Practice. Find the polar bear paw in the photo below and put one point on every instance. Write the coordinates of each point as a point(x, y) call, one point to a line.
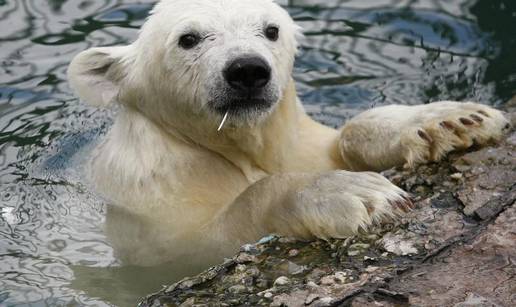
point(340, 203)
point(451, 126)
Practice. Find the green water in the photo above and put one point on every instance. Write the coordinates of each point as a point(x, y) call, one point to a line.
point(357, 54)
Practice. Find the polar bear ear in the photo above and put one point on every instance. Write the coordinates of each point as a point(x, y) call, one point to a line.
point(95, 74)
point(299, 37)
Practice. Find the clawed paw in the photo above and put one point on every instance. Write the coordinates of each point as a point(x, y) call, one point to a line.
point(339, 204)
point(405, 204)
point(451, 126)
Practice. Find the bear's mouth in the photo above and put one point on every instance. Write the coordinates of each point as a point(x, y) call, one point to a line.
point(237, 106)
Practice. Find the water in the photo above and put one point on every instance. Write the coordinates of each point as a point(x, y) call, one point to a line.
point(356, 54)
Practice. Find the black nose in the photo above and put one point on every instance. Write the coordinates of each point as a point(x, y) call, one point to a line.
point(248, 73)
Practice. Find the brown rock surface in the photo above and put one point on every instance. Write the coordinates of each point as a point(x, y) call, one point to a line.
point(457, 248)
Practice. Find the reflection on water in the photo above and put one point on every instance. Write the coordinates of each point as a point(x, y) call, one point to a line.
point(356, 54)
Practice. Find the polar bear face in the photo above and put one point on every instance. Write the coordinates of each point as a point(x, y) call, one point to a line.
point(203, 57)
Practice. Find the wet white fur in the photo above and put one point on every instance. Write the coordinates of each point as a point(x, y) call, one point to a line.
point(184, 192)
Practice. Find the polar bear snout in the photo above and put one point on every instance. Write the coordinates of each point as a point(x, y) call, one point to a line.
point(246, 87)
point(248, 74)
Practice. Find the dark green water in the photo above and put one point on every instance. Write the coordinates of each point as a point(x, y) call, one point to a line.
point(357, 54)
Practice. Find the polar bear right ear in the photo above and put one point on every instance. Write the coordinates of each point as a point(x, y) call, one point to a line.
point(95, 74)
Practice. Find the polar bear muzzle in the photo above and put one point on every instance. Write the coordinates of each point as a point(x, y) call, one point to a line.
point(247, 87)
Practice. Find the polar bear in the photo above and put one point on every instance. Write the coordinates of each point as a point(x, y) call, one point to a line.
point(211, 147)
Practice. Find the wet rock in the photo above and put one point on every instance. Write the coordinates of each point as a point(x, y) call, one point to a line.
point(294, 269)
point(188, 303)
point(474, 300)
point(325, 301)
point(250, 249)
point(238, 289)
point(490, 174)
point(246, 258)
point(311, 298)
point(398, 245)
point(337, 278)
point(457, 176)
point(456, 248)
point(293, 252)
point(281, 281)
point(482, 265)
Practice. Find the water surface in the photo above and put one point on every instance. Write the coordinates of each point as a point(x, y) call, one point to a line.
point(356, 54)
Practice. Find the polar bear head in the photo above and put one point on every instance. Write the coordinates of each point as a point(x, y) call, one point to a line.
point(196, 58)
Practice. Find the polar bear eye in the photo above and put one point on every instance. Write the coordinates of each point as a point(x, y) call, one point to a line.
point(188, 41)
point(272, 33)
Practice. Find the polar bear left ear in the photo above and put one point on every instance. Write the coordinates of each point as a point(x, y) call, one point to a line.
point(95, 74)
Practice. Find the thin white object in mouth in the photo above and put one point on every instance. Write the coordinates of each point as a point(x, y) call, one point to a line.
point(223, 121)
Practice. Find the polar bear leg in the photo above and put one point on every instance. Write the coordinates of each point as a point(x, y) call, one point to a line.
point(329, 205)
point(397, 135)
